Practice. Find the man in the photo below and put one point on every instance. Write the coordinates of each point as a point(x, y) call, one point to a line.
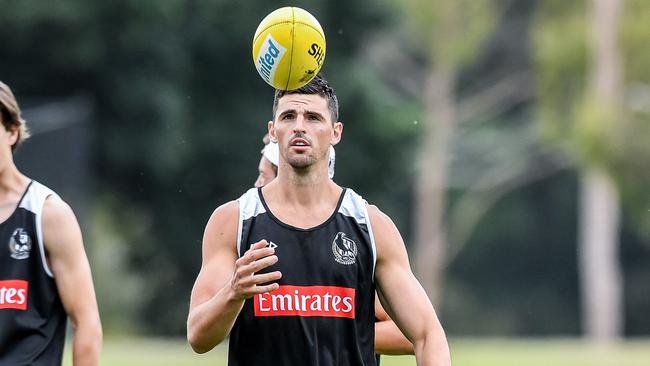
point(389, 339)
point(44, 273)
point(289, 270)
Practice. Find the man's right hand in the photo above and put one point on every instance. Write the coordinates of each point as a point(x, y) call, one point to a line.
point(226, 280)
point(245, 283)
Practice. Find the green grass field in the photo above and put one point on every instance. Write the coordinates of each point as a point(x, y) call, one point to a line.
point(465, 352)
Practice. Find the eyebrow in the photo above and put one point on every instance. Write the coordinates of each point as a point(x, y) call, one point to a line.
point(287, 111)
point(306, 112)
point(320, 115)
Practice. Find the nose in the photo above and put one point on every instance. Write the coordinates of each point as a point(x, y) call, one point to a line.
point(300, 124)
point(260, 182)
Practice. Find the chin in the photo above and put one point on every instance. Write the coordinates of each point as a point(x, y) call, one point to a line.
point(300, 162)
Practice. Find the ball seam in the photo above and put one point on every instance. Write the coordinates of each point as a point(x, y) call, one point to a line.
point(293, 42)
point(270, 26)
point(287, 21)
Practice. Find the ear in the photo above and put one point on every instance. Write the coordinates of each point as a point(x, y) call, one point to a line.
point(337, 133)
point(271, 128)
point(13, 135)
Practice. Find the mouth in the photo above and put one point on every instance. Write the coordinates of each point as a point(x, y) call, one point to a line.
point(299, 142)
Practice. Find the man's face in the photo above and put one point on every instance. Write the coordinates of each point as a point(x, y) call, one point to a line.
point(304, 130)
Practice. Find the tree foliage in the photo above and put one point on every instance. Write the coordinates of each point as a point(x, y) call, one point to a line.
point(180, 112)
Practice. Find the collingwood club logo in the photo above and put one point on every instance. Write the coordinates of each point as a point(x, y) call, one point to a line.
point(20, 244)
point(344, 249)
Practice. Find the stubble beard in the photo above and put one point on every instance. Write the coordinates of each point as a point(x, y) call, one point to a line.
point(301, 163)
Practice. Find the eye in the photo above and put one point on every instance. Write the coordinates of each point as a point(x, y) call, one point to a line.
point(313, 117)
point(286, 117)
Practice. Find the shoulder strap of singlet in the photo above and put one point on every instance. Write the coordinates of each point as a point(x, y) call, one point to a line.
point(355, 206)
point(250, 206)
point(33, 201)
point(29, 185)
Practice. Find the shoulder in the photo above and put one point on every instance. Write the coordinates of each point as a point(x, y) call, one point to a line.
point(226, 212)
point(61, 231)
point(231, 209)
point(378, 218)
point(355, 205)
point(223, 222)
point(230, 212)
point(387, 236)
point(57, 212)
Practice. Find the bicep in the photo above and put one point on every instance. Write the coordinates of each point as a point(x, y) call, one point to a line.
point(218, 254)
point(400, 292)
point(67, 258)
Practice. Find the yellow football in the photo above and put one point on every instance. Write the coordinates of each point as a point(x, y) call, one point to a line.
point(288, 48)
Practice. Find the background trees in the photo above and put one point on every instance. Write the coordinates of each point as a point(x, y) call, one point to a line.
point(487, 99)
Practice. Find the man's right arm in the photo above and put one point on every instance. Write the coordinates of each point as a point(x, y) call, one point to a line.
point(225, 281)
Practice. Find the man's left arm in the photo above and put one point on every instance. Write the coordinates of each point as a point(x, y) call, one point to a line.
point(67, 259)
point(389, 340)
point(402, 295)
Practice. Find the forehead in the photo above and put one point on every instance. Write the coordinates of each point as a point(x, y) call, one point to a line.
point(302, 102)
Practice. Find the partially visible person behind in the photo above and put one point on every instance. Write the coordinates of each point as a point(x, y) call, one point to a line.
point(44, 272)
point(267, 169)
point(389, 340)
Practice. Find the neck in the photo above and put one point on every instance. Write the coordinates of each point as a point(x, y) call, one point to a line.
point(11, 179)
point(301, 203)
point(304, 187)
point(12, 187)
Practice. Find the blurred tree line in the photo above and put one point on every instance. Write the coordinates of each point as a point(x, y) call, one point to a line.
point(179, 112)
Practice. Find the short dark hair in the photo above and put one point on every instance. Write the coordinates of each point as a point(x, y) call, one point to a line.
point(317, 86)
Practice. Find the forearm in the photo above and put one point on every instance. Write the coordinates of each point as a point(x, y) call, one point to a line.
point(209, 323)
point(87, 344)
point(389, 340)
point(432, 349)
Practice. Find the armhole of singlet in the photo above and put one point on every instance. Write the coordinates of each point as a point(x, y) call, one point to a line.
point(373, 246)
point(239, 226)
point(39, 235)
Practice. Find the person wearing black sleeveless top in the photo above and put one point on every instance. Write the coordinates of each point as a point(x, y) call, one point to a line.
point(389, 340)
point(290, 270)
point(44, 273)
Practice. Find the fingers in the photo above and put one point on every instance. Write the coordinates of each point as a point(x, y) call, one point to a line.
point(261, 278)
point(264, 289)
point(260, 244)
point(267, 277)
point(263, 263)
point(252, 285)
point(246, 287)
point(245, 281)
point(255, 260)
point(255, 252)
